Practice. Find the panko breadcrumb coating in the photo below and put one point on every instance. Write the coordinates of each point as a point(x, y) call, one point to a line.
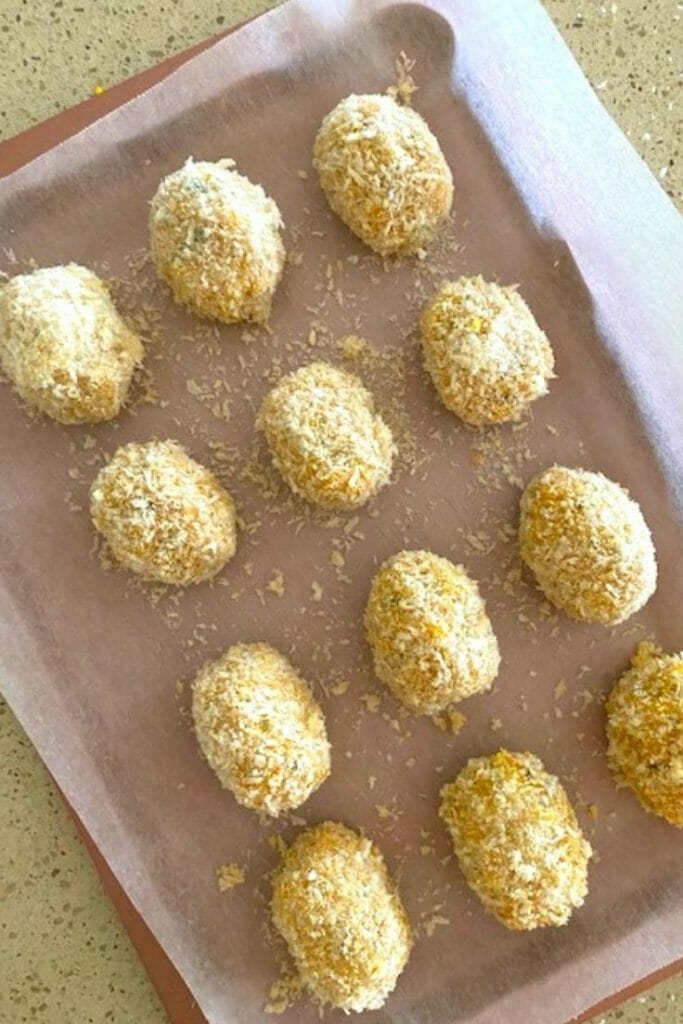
point(383, 173)
point(260, 728)
point(325, 438)
point(517, 839)
point(588, 545)
point(63, 345)
point(341, 916)
point(645, 731)
point(163, 515)
point(484, 351)
point(431, 639)
point(215, 240)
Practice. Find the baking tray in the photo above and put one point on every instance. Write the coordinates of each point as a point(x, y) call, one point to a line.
point(652, 222)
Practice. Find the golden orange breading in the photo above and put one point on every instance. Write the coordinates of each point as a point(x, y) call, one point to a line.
point(260, 728)
point(215, 239)
point(325, 437)
point(341, 916)
point(164, 516)
point(645, 731)
point(517, 839)
point(483, 349)
point(588, 545)
point(431, 638)
point(383, 173)
point(63, 345)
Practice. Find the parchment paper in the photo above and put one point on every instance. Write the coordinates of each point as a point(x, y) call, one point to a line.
point(548, 194)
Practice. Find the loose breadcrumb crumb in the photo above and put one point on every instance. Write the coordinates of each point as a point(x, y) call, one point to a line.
point(484, 351)
point(353, 347)
point(229, 876)
point(383, 173)
point(645, 731)
point(215, 239)
point(588, 545)
point(517, 839)
point(325, 438)
point(341, 916)
point(260, 728)
point(283, 993)
point(64, 346)
point(431, 639)
point(163, 515)
point(276, 585)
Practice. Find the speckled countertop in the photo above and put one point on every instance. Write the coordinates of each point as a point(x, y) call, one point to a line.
point(64, 958)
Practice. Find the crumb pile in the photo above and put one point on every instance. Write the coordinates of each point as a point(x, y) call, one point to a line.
point(260, 728)
point(229, 876)
point(63, 345)
point(517, 839)
point(645, 731)
point(163, 515)
point(431, 639)
point(483, 349)
point(215, 239)
point(325, 437)
point(383, 173)
point(588, 545)
point(339, 912)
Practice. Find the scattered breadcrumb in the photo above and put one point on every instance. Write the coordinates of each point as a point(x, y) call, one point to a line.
point(284, 993)
point(433, 922)
point(405, 86)
point(276, 585)
point(277, 843)
point(450, 719)
point(372, 702)
point(229, 876)
point(353, 347)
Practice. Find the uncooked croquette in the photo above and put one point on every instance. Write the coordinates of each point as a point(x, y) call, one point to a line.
point(588, 545)
point(164, 516)
point(341, 916)
point(517, 839)
point(487, 356)
point(215, 239)
point(325, 437)
point(645, 731)
point(383, 173)
point(431, 639)
point(260, 728)
point(63, 345)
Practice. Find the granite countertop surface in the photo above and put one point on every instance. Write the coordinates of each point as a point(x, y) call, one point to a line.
point(64, 957)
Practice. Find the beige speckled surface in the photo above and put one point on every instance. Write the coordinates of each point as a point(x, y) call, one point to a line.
point(64, 958)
